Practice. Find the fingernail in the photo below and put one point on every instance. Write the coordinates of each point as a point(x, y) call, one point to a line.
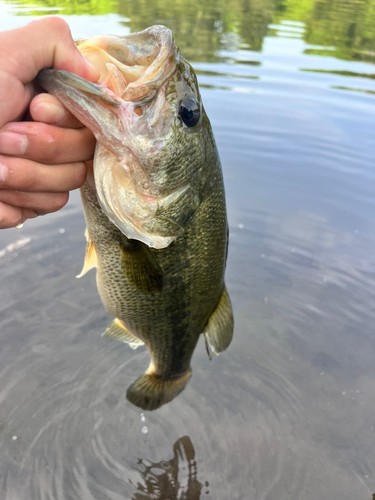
point(12, 143)
point(49, 112)
point(3, 172)
point(94, 72)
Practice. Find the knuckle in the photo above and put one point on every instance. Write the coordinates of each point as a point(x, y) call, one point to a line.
point(59, 201)
point(29, 180)
point(79, 174)
point(48, 144)
point(50, 153)
point(58, 25)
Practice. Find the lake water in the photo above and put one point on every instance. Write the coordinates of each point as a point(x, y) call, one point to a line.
point(288, 411)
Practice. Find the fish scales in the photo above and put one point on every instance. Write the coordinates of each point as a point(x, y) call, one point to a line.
point(154, 206)
point(174, 316)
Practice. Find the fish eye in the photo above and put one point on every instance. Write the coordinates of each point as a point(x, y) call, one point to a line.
point(189, 111)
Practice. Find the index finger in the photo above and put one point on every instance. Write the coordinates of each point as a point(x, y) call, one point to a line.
point(48, 109)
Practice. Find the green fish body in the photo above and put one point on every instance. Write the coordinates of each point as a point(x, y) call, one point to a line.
point(154, 205)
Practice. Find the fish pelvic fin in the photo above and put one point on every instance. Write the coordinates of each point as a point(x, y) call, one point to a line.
point(91, 258)
point(150, 392)
point(218, 331)
point(118, 331)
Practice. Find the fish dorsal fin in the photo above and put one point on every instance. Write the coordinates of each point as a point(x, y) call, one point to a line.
point(118, 331)
point(218, 331)
point(91, 258)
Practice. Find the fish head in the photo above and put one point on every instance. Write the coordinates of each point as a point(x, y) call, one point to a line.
point(154, 141)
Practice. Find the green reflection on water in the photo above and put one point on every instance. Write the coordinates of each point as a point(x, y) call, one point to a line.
point(346, 27)
point(337, 28)
point(339, 87)
point(351, 74)
point(202, 28)
point(66, 7)
point(225, 75)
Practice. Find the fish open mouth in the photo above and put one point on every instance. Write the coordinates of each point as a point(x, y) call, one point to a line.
point(133, 71)
point(132, 68)
point(135, 66)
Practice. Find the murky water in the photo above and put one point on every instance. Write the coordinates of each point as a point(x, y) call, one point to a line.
point(288, 412)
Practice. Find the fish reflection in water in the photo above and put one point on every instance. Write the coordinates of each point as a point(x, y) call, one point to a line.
point(175, 479)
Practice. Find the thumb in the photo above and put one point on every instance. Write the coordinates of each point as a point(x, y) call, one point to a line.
point(44, 43)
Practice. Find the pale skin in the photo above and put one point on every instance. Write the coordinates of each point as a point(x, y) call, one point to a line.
point(42, 156)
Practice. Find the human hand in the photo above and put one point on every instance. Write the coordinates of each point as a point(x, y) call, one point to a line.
point(39, 162)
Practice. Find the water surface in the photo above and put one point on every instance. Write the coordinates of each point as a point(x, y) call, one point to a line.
point(289, 410)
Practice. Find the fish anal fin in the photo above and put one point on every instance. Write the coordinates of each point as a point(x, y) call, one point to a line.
point(150, 392)
point(91, 258)
point(140, 267)
point(118, 331)
point(218, 331)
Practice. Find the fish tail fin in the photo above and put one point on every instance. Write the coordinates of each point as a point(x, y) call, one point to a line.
point(149, 392)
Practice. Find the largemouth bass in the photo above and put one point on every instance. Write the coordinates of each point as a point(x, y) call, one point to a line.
point(154, 205)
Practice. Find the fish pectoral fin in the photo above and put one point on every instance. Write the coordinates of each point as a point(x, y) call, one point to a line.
point(141, 268)
point(118, 331)
point(91, 258)
point(150, 392)
point(218, 331)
